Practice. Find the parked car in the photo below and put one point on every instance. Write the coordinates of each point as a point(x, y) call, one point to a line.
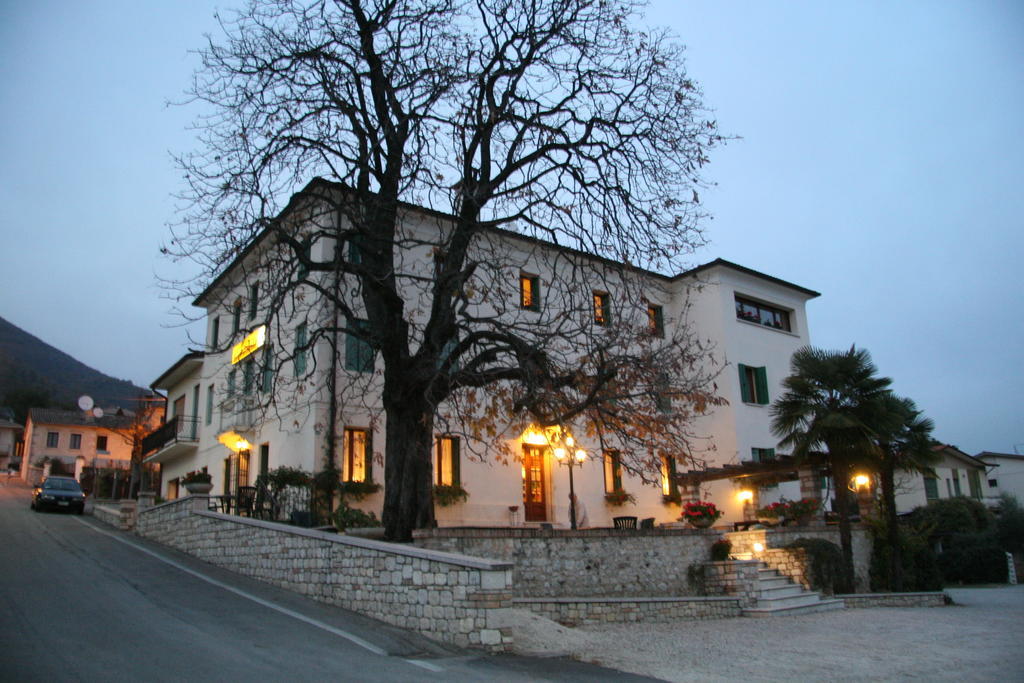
point(59, 493)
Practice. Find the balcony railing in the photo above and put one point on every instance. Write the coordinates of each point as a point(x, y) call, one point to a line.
point(238, 414)
point(178, 429)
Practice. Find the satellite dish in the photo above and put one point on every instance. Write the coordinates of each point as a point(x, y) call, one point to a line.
point(85, 402)
point(97, 412)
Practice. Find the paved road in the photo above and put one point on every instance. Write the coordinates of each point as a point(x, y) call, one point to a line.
point(80, 601)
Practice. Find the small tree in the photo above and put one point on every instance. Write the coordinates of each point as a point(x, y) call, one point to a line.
point(831, 399)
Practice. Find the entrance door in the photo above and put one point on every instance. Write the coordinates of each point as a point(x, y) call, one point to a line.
point(535, 497)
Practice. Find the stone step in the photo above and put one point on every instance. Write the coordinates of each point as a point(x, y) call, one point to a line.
point(784, 591)
point(774, 582)
point(819, 606)
point(798, 600)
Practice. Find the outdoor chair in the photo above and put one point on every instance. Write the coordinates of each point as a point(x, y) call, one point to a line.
point(624, 522)
point(245, 500)
point(647, 523)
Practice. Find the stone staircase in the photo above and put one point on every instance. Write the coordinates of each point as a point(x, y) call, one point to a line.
point(778, 595)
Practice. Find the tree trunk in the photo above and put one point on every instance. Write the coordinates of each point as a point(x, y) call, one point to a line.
point(408, 493)
point(892, 530)
point(841, 476)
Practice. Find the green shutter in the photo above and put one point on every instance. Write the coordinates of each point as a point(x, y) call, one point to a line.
point(745, 387)
point(761, 379)
point(368, 456)
point(456, 462)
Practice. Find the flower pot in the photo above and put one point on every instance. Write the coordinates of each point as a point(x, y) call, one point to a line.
point(199, 487)
point(700, 522)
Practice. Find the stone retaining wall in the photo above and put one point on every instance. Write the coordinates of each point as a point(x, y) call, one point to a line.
point(792, 563)
point(118, 514)
point(589, 611)
point(734, 578)
point(927, 599)
point(585, 563)
point(449, 597)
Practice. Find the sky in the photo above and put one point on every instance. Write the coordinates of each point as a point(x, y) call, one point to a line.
point(877, 159)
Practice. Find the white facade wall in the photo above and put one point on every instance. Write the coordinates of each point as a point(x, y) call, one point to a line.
point(952, 479)
point(295, 432)
point(1007, 471)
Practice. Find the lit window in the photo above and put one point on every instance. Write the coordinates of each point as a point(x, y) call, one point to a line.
point(655, 321)
point(355, 463)
point(529, 292)
point(447, 465)
point(762, 314)
point(612, 471)
point(668, 476)
point(602, 309)
point(753, 385)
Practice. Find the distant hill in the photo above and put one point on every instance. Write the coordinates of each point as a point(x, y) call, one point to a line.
point(28, 363)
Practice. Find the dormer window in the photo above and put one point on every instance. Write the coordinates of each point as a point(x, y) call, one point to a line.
point(762, 314)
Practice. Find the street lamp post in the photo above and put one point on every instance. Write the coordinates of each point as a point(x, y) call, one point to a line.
point(575, 459)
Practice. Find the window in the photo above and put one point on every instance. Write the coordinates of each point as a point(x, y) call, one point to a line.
point(993, 483)
point(762, 314)
point(248, 376)
point(668, 476)
point(753, 385)
point(931, 488)
point(356, 465)
point(209, 404)
point(358, 352)
point(264, 460)
point(956, 482)
point(76, 442)
point(254, 300)
point(101, 444)
point(226, 486)
point(762, 454)
point(974, 484)
point(52, 439)
point(172, 489)
point(529, 292)
point(236, 317)
point(446, 468)
point(231, 382)
point(307, 254)
point(355, 250)
point(300, 350)
point(655, 321)
point(612, 471)
point(242, 469)
point(215, 333)
point(602, 309)
point(662, 395)
point(267, 380)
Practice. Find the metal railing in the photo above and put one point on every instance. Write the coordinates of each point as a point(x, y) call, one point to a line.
point(178, 429)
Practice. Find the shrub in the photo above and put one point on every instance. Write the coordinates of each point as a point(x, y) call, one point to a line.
point(973, 558)
point(1010, 524)
point(920, 566)
point(450, 494)
point(825, 562)
point(350, 518)
point(358, 490)
point(720, 550)
point(283, 477)
point(951, 516)
point(619, 497)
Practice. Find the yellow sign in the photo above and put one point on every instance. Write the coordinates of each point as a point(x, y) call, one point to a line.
point(252, 341)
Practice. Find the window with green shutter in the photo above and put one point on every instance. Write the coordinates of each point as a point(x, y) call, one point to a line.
point(358, 352)
point(753, 384)
point(300, 350)
point(762, 454)
point(974, 482)
point(612, 471)
point(931, 488)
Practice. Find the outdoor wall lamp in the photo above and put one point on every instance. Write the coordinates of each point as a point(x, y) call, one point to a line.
point(860, 482)
point(758, 547)
point(745, 496)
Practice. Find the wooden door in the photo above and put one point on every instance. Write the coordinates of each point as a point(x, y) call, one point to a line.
point(535, 497)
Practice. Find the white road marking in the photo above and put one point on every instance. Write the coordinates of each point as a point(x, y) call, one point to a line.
point(260, 601)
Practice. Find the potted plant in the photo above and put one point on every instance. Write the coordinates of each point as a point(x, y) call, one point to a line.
point(358, 490)
point(802, 510)
point(450, 494)
point(619, 497)
point(673, 498)
point(700, 514)
point(198, 481)
point(773, 511)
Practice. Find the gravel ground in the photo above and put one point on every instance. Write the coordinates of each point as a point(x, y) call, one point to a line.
point(980, 638)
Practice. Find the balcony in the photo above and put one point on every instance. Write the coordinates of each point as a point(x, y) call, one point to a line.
point(237, 414)
point(175, 438)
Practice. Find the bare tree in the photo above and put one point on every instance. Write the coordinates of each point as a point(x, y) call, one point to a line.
point(521, 125)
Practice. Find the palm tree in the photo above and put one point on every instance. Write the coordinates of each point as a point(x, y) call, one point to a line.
point(904, 443)
point(831, 400)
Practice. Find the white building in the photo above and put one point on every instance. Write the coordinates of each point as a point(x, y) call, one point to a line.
point(954, 474)
point(1004, 474)
point(216, 420)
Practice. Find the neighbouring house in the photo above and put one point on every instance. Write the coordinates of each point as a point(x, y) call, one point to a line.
point(236, 412)
point(93, 446)
point(11, 443)
point(954, 474)
point(1004, 473)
